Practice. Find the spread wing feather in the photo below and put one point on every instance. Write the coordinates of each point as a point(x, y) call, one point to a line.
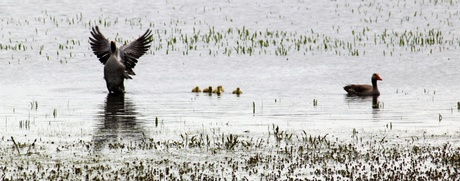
point(100, 45)
point(129, 53)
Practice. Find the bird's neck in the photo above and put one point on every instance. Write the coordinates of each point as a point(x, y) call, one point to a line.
point(374, 84)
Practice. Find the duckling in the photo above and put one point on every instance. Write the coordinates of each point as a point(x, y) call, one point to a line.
point(219, 90)
point(209, 89)
point(196, 89)
point(237, 91)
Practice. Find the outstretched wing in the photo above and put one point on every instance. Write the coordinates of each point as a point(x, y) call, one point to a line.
point(100, 45)
point(129, 53)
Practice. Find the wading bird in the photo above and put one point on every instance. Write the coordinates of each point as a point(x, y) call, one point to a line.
point(118, 62)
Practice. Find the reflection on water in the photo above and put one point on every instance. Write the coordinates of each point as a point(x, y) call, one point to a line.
point(117, 122)
point(375, 104)
point(360, 105)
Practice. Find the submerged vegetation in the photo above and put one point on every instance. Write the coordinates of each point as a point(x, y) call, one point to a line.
point(185, 36)
point(243, 41)
point(280, 154)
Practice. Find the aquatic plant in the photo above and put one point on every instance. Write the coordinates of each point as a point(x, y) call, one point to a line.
point(18, 146)
point(293, 156)
point(34, 105)
point(230, 142)
point(54, 113)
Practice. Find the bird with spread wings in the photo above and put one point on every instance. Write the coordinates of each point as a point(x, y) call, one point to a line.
point(118, 62)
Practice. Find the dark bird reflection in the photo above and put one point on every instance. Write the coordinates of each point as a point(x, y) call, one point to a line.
point(375, 100)
point(117, 122)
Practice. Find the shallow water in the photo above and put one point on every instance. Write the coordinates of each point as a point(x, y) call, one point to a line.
point(56, 82)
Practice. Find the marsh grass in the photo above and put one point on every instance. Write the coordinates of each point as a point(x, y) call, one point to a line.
point(175, 36)
point(280, 155)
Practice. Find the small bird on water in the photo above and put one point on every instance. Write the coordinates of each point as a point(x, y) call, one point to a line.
point(237, 91)
point(219, 90)
point(208, 90)
point(118, 62)
point(196, 89)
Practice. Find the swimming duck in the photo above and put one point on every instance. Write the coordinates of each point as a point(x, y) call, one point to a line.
point(219, 90)
point(118, 62)
point(209, 89)
point(364, 89)
point(237, 91)
point(196, 89)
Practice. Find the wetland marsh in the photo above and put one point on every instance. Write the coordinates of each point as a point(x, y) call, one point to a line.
point(290, 58)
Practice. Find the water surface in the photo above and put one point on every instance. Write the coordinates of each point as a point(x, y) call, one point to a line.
point(50, 77)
